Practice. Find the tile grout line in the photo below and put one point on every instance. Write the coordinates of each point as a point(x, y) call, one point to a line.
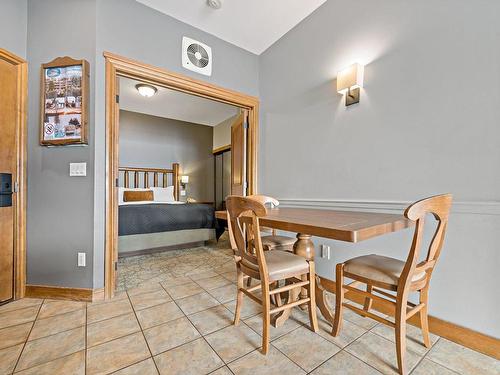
point(301, 326)
point(322, 363)
point(392, 344)
point(18, 308)
point(143, 335)
point(201, 335)
point(355, 356)
point(54, 359)
point(53, 334)
point(27, 337)
point(430, 359)
point(293, 361)
point(422, 357)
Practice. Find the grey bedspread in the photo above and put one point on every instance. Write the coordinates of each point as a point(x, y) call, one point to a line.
point(153, 218)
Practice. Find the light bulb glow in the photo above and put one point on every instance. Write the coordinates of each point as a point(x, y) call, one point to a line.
point(350, 78)
point(146, 90)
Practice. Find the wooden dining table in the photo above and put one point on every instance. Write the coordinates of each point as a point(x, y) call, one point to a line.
point(348, 226)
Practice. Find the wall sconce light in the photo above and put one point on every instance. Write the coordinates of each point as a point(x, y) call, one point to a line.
point(184, 181)
point(349, 82)
point(146, 90)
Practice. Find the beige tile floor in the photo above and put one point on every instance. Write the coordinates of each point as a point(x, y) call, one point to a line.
point(174, 314)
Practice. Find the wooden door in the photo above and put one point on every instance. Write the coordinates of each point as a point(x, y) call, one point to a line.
point(8, 165)
point(239, 154)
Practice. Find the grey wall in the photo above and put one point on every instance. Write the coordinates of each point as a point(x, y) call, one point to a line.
point(132, 30)
point(60, 208)
point(13, 26)
point(427, 123)
point(156, 142)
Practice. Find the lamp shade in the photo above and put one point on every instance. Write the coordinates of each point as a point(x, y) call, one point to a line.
point(350, 78)
point(184, 179)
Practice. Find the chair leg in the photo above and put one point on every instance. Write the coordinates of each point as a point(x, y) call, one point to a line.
point(368, 300)
point(424, 319)
point(312, 295)
point(339, 299)
point(249, 282)
point(266, 316)
point(239, 297)
point(400, 320)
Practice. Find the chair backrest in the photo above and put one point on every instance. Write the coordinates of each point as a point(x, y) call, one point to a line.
point(439, 206)
point(266, 201)
point(244, 230)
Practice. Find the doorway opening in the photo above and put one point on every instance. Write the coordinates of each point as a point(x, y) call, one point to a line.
point(243, 142)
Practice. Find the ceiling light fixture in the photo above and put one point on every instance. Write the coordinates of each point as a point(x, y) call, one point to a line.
point(146, 90)
point(215, 4)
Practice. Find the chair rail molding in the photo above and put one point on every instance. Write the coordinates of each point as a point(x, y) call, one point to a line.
point(458, 207)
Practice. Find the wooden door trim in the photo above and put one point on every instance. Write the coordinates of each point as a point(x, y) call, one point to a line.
point(20, 197)
point(118, 66)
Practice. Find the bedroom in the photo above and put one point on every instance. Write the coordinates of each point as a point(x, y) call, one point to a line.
point(174, 171)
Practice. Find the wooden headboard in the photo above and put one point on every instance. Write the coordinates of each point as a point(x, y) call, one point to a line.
point(161, 177)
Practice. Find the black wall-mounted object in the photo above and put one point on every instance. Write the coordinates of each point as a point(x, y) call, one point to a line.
point(5, 189)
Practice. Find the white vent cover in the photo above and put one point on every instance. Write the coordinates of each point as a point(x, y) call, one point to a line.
point(196, 56)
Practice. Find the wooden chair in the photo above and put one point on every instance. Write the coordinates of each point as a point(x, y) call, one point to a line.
point(268, 267)
point(397, 276)
point(273, 241)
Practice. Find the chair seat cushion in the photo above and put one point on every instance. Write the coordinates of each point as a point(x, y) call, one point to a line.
point(378, 268)
point(277, 241)
point(283, 264)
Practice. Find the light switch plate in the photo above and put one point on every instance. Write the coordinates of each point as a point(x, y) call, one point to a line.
point(77, 169)
point(81, 260)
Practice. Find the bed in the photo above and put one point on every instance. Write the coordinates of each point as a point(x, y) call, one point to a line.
point(163, 223)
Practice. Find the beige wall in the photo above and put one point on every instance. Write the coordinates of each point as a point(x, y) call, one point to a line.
point(222, 133)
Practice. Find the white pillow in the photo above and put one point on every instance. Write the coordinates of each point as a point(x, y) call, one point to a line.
point(122, 189)
point(163, 194)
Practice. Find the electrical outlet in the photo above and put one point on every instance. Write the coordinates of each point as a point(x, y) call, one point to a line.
point(325, 251)
point(183, 193)
point(81, 259)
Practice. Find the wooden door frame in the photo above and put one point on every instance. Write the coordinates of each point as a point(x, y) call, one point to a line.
point(20, 196)
point(118, 66)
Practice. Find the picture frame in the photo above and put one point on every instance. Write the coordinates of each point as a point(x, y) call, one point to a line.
point(64, 106)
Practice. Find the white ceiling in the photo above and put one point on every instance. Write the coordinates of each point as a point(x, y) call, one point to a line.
point(250, 24)
point(174, 104)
